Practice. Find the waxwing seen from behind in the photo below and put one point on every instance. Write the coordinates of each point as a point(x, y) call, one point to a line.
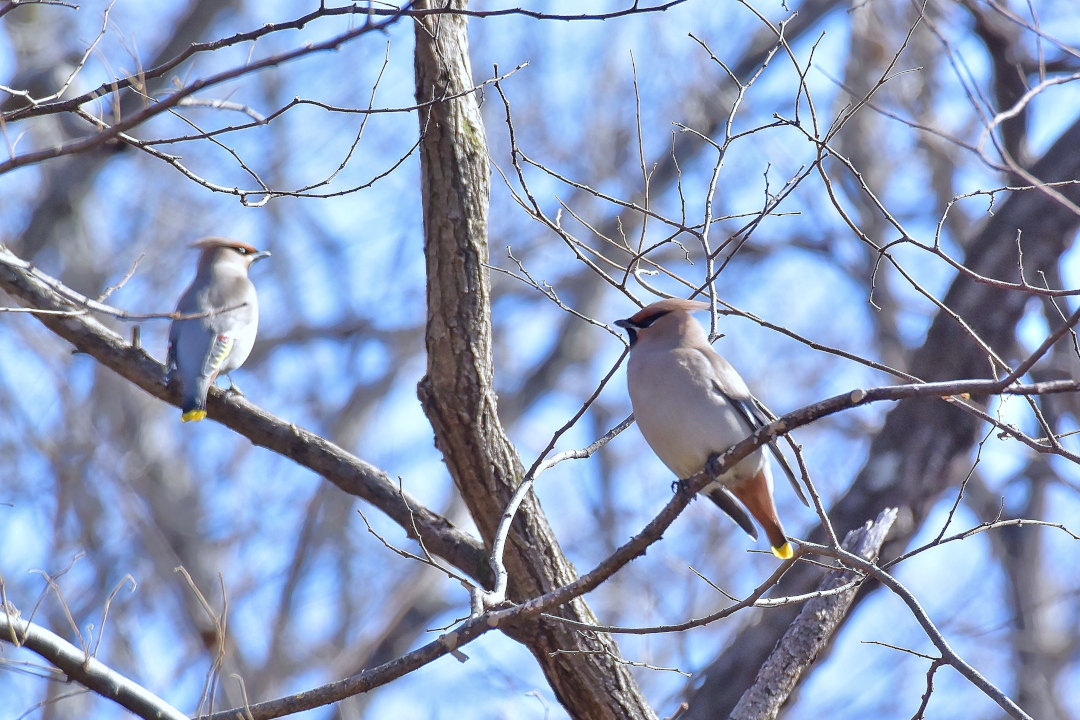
point(218, 336)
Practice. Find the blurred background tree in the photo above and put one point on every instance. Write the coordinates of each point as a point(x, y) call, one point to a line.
point(888, 193)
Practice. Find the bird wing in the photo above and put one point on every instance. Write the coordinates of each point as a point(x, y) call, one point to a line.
point(764, 417)
point(217, 353)
point(183, 306)
point(752, 411)
point(170, 355)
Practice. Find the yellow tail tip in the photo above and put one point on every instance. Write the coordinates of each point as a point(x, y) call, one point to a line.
point(200, 414)
point(784, 552)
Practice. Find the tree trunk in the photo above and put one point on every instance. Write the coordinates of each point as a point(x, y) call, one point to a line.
point(588, 677)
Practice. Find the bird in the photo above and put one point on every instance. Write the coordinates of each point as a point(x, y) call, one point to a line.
point(215, 322)
point(690, 403)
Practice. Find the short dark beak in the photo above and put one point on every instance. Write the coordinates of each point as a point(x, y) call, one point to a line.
point(625, 323)
point(260, 255)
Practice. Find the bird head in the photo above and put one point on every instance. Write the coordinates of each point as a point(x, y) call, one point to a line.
point(650, 314)
point(218, 249)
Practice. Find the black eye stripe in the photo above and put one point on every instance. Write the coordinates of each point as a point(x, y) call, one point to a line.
point(648, 321)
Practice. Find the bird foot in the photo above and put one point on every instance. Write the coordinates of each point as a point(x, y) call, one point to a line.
point(681, 487)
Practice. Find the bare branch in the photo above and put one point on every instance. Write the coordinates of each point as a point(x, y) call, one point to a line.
point(85, 669)
point(948, 655)
point(345, 470)
point(812, 630)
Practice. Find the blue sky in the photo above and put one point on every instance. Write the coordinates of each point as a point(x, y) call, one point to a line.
point(358, 259)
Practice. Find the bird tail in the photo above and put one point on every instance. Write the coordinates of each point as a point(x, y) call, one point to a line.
point(727, 502)
point(756, 495)
point(194, 408)
point(193, 397)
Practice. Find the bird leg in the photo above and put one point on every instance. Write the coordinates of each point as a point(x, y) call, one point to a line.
point(233, 388)
point(681, 487)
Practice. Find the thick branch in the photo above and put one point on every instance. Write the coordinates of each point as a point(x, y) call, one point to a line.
point(80, 667)
point(348, 472)
point(359, 478)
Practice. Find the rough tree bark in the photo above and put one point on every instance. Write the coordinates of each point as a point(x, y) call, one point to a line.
point(924, 446)
point(813, 629)
point(584, 669)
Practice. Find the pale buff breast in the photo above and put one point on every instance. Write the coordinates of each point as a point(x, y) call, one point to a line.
point(682, 415)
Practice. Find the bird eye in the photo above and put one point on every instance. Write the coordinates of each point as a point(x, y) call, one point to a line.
point(241, 250)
